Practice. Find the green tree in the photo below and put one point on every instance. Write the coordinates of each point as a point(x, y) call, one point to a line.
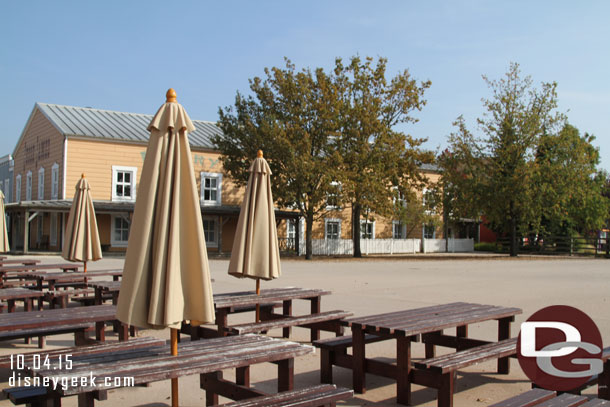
point(293, 117)
point(375, 155)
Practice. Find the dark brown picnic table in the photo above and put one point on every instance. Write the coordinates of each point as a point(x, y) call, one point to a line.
point(22, 324)
point(77, 278)
point(548, 398)
point(6, 262)
point(234, 302)
point(207, 358)
point(106, 287)
point(425, 324)
point(11, 295)
point(15, 272)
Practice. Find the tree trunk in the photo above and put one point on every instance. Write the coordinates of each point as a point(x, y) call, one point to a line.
point(446, 229)
point(356, 229)
point(309, 236)
point(514, 250)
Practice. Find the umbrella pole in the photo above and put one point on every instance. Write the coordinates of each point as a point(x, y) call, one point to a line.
point(258, 306)
point(174, 349)
point(85, 267)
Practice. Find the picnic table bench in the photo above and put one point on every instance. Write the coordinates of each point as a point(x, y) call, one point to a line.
point(11, 295)
point(104, 289)
point(270, 299)
point(74, 279)
point(6, 262)
point(57, 321)
point(154, 363)
point(426, 325)
point(15, 272)
point(314, 396)
point(547, 398)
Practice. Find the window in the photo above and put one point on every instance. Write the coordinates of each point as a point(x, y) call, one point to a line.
point(120, 231)
point(124, 183)
point(28, 186)
point(429, 231)
point(333, 198)
point(398, 230)
point(7, 190)
point(399, 197)
point(429, 200)
point(55, 181)
point(367, 230)
point(211, 188)
point(53, 231)
point(17, 188)
point(39, 230)
point(210, 231)
point(332, 229)
point(41, 184)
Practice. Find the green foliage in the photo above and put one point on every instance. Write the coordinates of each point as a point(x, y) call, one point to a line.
point(485, 247)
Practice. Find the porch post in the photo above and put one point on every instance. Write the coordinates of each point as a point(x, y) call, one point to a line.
point(26, 232)
point(220, 223)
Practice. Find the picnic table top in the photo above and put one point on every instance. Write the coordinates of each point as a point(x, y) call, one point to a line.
point(76, 275)
point(430, 319)
point(155, 363)
point(19, 293)
point(4, 262)
point(49, 318)
point(245, 298)
point(542, 397)
point(106, 285)
point(32, 267)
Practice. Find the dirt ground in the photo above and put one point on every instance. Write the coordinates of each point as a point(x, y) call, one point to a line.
point(388, 284)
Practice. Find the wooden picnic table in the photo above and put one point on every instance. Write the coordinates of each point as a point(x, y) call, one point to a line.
point(207, 358)
point(425, 324)
point(48, 322)
point(77, 278)
point(6, 262)
point(34, 267)
point(234, 302)
point(11, 295)
point(106, 287)
point(548, 398)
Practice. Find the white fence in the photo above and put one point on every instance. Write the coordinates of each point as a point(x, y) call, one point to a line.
point(330, 247)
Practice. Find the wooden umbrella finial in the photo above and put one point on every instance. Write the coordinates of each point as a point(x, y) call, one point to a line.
point(170, 95)
point(259, 154)
point(82, 175)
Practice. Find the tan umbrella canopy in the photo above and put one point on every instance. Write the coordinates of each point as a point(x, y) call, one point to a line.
point(82, 241)
point(3, 232)
point(255, 251)
point(166, 277)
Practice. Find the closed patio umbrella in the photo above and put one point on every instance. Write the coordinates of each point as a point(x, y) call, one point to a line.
point(3, 232)
point(166, 277)
point(255, 251)
point(82, 241)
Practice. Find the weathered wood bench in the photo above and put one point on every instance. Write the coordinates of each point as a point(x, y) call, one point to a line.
point(78, 330)
point(59, 298)
point(443, 368)
point(547, 398)
point(333, 349)
point(326, 321)
point(315, 396)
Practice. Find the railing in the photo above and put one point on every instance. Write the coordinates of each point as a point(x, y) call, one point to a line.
point(592, 246)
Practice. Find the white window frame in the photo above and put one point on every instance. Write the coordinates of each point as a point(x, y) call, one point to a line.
point(337, 195)
point(332, 220)
point(214, 219)
point(17, 188)
point(7, 190)
point(113, 241)
point(218, 200)
point(398, 197)
point(55, 181)
point(403, 229)
point(28, 186)
point(365, 222)
point(134, 175)
point(41, 184)
point(53, 229)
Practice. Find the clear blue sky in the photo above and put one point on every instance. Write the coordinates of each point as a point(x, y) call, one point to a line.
point(123, 55)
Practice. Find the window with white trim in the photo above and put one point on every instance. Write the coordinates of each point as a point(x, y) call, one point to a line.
point(210, 231)
point(333, 197)
point(55, 181)
point(399, 197)
point(332, 229)
point(120, 231)
point(53, 230)
point(41, 184)
point(211, 188)
point(17, 189)
point(398, 230)
point(367, 229)
point(28, 186)
point(124, 183)
point(429, 232)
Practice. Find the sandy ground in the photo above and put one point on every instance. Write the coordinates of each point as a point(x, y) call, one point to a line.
point(382, 285)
